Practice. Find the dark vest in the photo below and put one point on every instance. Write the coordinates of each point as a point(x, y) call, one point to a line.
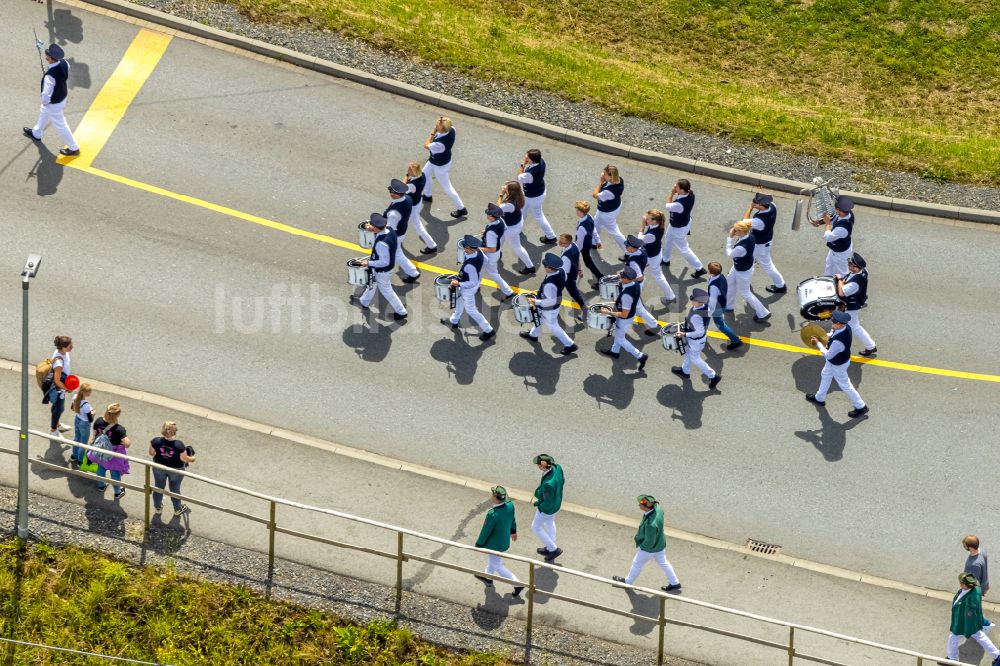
point(846, 338)
point(393, 243)
point(536, 187)
point(559, 280)
point(515, 217)
point(59, 72)
point(842, 244)
point(497, 227)
point(719, 281)
point(418, 188)
point(403, 206)
point(654, 248)
point(856, 300)
point(632, 290)
point(745, 262)
point(614, 203)
point(683, 218)
point(768, 217)
point(444, 157)
point(572, 252)
point(700, 311)
point(640, 259)
point(475, 261)
point(587, 222)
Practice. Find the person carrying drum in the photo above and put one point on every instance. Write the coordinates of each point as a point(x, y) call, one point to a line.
point(469, 277)
point(398, 216)
point(624, 310)
point(651, 544)
point(679, 204)
point(491, 239)
point(739, 247)
point(548, 500)
point(838, 360)
point(652, 231)
point(499, 529)
point(837, 235)
point(853, 290)
point(637, 259)
point(764, 215)
point(381, 261)
point(548, 302)
point(695, 331)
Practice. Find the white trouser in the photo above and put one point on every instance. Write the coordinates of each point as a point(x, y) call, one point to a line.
point(653, 269)
point(383, 281)
point(608, 222)
point(645, 315)
point(836, 262)
point(858, 331)
point(739, 281)
point(762, 255)
point(550, 318)
point(641, 557)
point(980, 637)
point(54, 113)
point(466, 302)
point(621, 342)
point(512, 237)
point(402, 260)
point(533, 205)
point(495, 567)
point(693, 357)
point(544, 527)
point(678, 237)
point(838, 372)
point(418, 224)
point(444, 180)
point(491, 271)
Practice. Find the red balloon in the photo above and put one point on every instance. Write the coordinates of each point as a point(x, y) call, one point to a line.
point(72, 382)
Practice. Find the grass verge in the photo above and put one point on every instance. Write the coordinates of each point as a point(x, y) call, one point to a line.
point(81, 600)
point(901, 84)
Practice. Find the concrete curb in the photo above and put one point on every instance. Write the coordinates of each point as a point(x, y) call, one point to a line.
point(698, 167)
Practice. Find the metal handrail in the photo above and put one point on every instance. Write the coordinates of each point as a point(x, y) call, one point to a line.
point(401, 556)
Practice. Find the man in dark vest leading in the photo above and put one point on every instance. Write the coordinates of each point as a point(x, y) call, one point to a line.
point(53, 109)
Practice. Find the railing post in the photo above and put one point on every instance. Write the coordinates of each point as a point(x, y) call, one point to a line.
point(791, 646)
point(531, 601)
point(399, 570)
point(270, 543)
point(663, 628)
point(146, 493)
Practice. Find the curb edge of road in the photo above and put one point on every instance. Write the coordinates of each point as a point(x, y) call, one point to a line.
point(697, 167)
point(478, 484)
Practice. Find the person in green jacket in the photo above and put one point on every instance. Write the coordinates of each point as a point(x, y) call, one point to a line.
point(548, 500)
point(651, 544)
point(967, 619)
point(499, 529)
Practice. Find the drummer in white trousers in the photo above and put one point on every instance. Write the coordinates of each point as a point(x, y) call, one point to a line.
point(763, 214)
point(695, 331)
point(492, 238)
point(624, 312)
point(398, 215)
point(837, 234)
point(739, 248)
point(838, 360)
point(382, 261)
point(548, 303)
point(679, 204)
point(469, 278)
point(440, 143)
point(608, 193)
point(415, 181)
point(637, 259)
point(531, 175)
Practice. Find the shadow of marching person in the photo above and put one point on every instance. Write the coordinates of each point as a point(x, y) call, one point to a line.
point(830, 439)
point(47, 171)
point(459, 354)
point(643, 604)
point(63, 27)
point(370, 340)
point(616, 391)
point(546, 580)
point(539, 365)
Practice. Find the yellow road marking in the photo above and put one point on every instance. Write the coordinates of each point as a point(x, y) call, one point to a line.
point(116, 96)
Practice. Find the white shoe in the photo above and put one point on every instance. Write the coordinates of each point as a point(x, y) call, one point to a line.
point(988, 626)
point(63, 427)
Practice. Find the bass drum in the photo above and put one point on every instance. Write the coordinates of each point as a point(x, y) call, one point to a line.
point(818, 297)
point(598, 319)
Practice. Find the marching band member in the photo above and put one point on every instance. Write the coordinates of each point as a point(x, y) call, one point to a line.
point(588, 239)
point(651, 544)
point(838, 360)
point(636, 259)
point(765, 213)
point(398, 215)
point(381, 261)
point(624, 311)
point(739, 248)
point(511, 202)
point(652, 231)
point(571, 267)
point(469, 277)
point(853, 289)
point(531, 175)
point(718, 291)
point(548, 303)
point(499, 529)
point(415, 181)
point(439, 144)
point(837, 235)
point(608, 193)
point(548, 500)
point(53, 101)
point(695, 330)
point(492, 238)
point(679, 205)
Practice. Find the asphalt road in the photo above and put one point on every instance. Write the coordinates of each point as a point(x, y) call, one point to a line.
point(163, 295)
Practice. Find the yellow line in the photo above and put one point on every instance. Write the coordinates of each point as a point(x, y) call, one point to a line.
point(117, 94)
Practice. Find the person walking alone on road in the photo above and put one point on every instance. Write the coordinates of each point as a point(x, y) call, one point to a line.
point(967, 619)
point(54, 91)
point(679, 204)
point(171, 453)
point(548, 500)
point(55, 389)
point(651, 544)
point(531, 175)
point(108, 425)
point(739, 248)
point(439, 144)
point(415, 181)
point(838, 360)
point(499, 529)
point(608, 193)
point(81, 422)
point(511, 202)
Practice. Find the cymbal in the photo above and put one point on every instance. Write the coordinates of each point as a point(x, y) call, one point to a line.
point(814, 330)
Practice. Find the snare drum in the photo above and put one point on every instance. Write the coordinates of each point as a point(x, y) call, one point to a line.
point(356, 273)
point(522, 309)
point(598, 319)
point(611, 286)
point(818, 297)
point(460, 254)
point(442, 286)
point(366, 237)
point(669, 338)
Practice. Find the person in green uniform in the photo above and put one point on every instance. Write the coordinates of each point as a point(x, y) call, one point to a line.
point(548, 500)
point(499, 529)
point(651, 544)
point(967, 619)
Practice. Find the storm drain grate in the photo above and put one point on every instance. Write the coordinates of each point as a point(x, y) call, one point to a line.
point(763, 548)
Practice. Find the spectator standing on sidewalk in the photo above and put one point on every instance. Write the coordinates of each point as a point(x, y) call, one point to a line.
point(172, 453)
point(967, 619)
point(81, 422)
point(108, 425)
point(548, 501)
point(977, 565)
point(499, 529)
point(55, 389)
point(651, 544)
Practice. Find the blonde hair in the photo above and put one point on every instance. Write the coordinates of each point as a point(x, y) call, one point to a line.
point(444, 122)
point(112, 413)
point(613, 175)
point(582, 206)
point(743, 226)
point(657, 214)
point(85, 391)
point(414, 170)
point(169, 429)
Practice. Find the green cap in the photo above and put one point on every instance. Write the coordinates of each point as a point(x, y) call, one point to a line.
point(544, 457)
point(646, 500)
point(499, 491)
point(968, 579)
